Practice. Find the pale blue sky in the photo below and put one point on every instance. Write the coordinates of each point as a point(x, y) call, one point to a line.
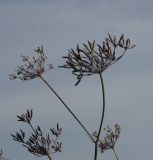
point(60, 25)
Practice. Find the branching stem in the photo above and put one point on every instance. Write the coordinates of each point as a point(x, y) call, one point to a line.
point(66, 106)
point(34, 132)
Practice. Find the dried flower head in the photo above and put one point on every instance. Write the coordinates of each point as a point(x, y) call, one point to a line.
point(38, 143)
point(94, 59)
point(109, 141)
point(56, 131)
point(56, 146)
point(32, 68)
point(27, 117)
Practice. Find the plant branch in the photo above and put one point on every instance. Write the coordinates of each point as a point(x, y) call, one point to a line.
point(66, 106)
point(49, 157)
point(102, 117)
point(115, 154)
point(35, 132)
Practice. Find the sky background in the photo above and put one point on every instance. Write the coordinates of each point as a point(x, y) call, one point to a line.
point(59, 25)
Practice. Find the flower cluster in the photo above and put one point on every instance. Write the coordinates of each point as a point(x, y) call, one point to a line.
point(109, 141)
point(94, 59)
point(32, 68)
point(56, 131)
point(38, 143)
point(27, 117)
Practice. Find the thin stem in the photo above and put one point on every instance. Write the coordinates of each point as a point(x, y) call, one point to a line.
point(49, 157)
point(102, 117)
point(34, 132)
point(115, 154)
point(32, 127)
point(66, 106)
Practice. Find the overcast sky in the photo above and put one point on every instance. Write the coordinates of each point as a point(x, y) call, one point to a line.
point(59, 25)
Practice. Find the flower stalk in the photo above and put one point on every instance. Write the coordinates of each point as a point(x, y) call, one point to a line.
point(115, 154)
point(66, 106)
point(102, 117)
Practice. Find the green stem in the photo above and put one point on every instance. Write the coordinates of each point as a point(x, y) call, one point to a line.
point(102, 117)
point(66, 106)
